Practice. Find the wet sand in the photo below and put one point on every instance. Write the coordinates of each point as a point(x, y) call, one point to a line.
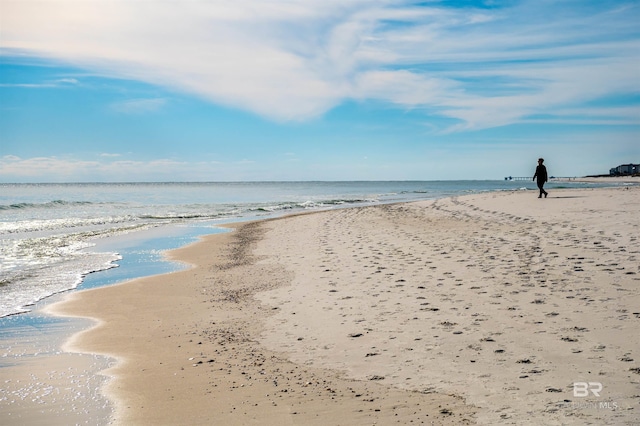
point(484, 308)
point(40, 384)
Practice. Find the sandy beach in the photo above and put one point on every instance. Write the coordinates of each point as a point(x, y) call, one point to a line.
point(482, 309)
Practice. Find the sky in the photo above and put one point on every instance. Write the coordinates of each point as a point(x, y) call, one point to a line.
point(237, 90)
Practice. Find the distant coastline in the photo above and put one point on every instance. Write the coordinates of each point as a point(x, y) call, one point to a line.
point(601, 179)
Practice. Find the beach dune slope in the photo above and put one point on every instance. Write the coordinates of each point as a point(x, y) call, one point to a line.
point(497, 308)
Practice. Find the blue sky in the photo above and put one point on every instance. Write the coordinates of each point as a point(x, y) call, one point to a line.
point(126, 90)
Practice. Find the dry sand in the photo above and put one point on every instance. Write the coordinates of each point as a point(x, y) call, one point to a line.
point(484, 308)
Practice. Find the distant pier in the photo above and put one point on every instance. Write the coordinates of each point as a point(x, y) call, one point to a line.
point(517, 178)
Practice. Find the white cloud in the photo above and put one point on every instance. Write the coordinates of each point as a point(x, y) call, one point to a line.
point(28, 85)
point(41, 168)
point(292, 60)
point(63, 82)
point(139, 106)
point(72, 169)
point(71, 81)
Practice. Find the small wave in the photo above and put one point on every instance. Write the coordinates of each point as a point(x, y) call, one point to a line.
point(416, 191)
point(309, 204)
point(349, 201)
point(37, 281)
point(47, 205)
point(184, 216)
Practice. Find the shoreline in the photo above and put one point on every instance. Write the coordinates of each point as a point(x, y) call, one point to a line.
point(41, 382)
point(259, 366)
point(263, 384)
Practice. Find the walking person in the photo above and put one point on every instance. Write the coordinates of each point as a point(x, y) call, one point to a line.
point(541, 176)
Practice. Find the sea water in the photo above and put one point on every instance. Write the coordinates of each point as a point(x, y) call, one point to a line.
point(52, 236)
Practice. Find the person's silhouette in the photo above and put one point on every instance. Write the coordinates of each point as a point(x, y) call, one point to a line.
point(541, 176)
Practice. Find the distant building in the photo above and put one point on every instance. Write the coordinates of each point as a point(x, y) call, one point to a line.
point(625, 169)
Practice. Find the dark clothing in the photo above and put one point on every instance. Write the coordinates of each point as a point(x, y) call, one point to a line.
point(541, 174)
point(541, 178)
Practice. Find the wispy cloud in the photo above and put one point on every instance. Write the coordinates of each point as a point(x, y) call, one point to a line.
point(39, 167)
point(72, 169)
point(293, 60)
point(63, 82)
point(139, 106)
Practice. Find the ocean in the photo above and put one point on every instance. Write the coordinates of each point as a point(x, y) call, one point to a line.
point(56, 237)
